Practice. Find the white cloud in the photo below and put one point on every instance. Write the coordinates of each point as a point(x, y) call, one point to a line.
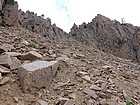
point(66, 12)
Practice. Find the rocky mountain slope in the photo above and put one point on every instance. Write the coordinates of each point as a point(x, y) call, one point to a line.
point(40, 64)
point(122, 40)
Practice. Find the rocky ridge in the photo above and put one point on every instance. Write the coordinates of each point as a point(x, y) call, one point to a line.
point(119, 39)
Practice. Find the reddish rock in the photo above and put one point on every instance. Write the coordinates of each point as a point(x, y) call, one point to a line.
point(5, 60)
point(11, 15)
point(32, 55)
point(90, 93)
point(120, 39)
point(36, 75)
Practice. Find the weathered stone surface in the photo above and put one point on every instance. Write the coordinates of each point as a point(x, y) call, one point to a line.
point(110, 36)
point(87, 78)
point(15, 63)
point(90, 93)
point(32, 55)
point(9, 62)
point(4, 70)
point(2, 2)
point(0, 76)
point(36, 75)
point(41, 102)
point(38, 24)
point(16, 99)
point(81, 73)
point(2, 50)
point(5, 60)
point(13, 54)
point(95, 87)
point(11, 15)
point(5, 48)
point(72, 96)
point(69, 102)
point(104, 87)
point(4, 80)
point(63, 100)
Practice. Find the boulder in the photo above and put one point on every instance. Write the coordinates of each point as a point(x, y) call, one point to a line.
point(5, 60)
point(36, 75)
point(9, 62)
point(15, 63)
point(4, 80)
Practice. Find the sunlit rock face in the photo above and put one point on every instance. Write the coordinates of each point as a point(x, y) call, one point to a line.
point(122, 40)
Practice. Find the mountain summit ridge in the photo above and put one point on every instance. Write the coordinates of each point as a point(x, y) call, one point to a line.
point(120, 39)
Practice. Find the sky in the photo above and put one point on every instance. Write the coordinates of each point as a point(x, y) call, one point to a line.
point(67, 12)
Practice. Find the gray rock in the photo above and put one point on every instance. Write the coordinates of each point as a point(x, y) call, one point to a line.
point(103, 95)
point(16, 99)
point(69, 102)
point(41, 102)
point(5, 48)
point(11, 15)
point(0, 76)
point(90, 93)
point(110, 36)
point(4, 80)
point(104, 87)
point(81, 73)
point(72, 96)
point(32, 55)
point(9, 62)
point(4, 70)
point(15, 63)
point(95, 87)
point(5, 60)
point(36, 75)
point(13, 54)
point(62, 100)
point(125, 94)
point(87, 78)
point(2, 50)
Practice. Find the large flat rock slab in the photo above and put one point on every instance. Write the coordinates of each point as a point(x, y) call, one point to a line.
point(9, 62)
point(36, 75)
point(5, 60)
point(32, 56)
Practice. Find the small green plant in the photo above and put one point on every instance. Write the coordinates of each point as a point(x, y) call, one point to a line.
point(129, 103)
point(58, 69)
point(32, 44)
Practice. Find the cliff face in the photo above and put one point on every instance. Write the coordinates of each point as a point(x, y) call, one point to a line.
point(122, 40)
point(37, 24)
point(9, 15)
